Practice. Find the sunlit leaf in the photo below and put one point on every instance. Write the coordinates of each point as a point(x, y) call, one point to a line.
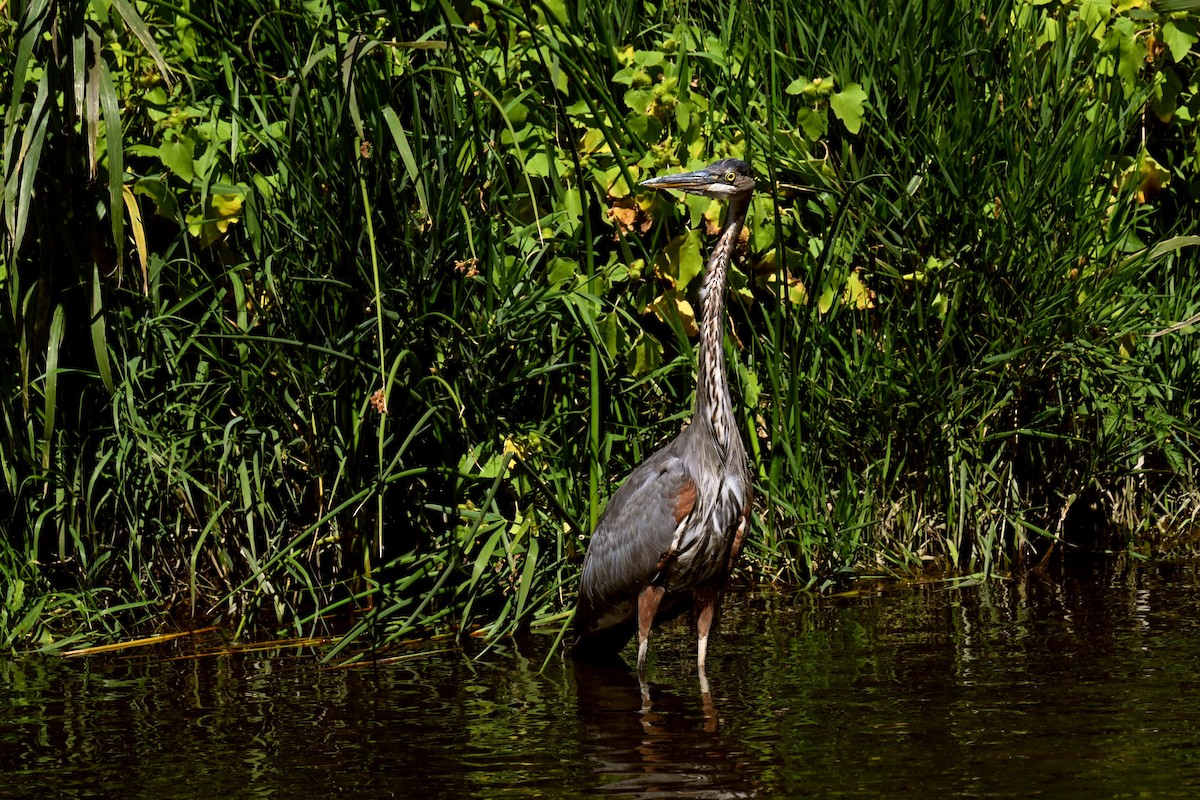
point(639, 99)
point(139, 234)
point(673, 305)
point(825, 301)
point(538, 165)
point(177, 156)
point(1179, 41)
point(857, 294)
point(164, 201)
point(227, 208)
point(1094, 14)
point(684, 259)
point(847, 105)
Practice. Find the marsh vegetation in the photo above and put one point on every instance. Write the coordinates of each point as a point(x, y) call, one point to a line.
point(313, 309)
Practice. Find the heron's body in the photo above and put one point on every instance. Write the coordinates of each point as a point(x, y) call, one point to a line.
point(671, 535)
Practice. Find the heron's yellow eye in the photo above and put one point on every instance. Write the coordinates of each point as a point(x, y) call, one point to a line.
point(731, 176)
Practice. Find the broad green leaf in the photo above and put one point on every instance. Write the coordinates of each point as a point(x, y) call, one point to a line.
point(593, 142)
point(562, 270)
point(825, 301)
point(611, 334)
point(812, 90)
point(1178, 40)
point(177, 156)
point(164, 201)
point(538, 165)
point(684, 258)
point(645, 126)
point(559, 9)
point(812, 122)
point(847, 105)
point(683, 114)
point(639, 99)
point(1093, 14)
point(1123, 37)
point(648, 58)
point(646, 356)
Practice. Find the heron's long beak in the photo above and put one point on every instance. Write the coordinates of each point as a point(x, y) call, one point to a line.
point(685, 181)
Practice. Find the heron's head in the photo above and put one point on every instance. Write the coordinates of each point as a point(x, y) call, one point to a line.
point(722, 179)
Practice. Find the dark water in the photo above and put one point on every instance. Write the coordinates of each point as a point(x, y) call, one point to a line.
point(1084, 687)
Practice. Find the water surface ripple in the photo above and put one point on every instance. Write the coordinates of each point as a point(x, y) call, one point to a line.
point(1083, 687)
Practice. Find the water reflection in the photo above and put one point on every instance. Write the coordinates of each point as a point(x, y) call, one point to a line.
point(650, 740)
point(1080, 686)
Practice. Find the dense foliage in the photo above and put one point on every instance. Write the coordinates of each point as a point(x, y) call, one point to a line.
point(316, 307)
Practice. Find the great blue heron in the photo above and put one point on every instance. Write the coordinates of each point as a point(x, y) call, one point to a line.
point(671, 534)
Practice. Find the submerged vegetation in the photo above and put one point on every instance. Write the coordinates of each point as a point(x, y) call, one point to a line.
point(313, 309)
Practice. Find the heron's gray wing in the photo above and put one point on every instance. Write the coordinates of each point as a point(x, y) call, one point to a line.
point(632, 537)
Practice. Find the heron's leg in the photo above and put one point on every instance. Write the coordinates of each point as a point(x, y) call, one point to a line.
point(706, 602)
point(648, 602)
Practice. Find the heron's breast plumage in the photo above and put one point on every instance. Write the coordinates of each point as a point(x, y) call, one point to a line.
point(703, 550)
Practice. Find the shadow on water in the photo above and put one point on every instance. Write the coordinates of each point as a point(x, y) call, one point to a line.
point(1081, 686)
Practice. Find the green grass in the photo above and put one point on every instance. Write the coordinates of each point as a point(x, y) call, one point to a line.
point(939, 323)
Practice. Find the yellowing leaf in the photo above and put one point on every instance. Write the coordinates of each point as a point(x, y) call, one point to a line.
point(139, 235)
point(228, 209)
point(624, 216)
point(672, 304)
point(858, 294)
point(688, 315)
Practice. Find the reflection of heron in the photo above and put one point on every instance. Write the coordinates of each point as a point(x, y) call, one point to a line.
point(672, 533)
point(657, 742)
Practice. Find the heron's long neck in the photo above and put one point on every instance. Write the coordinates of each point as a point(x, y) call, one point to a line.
point(712, 390)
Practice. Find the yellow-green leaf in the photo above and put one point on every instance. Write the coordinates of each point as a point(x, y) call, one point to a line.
point(684, 259)
point(177, 156)
point(825, 301)
point(858, 294)
point(646, 356)
point(1178, 40)
point(847, 105)
point(227, 209)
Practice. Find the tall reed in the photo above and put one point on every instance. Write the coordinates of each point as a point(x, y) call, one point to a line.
point(363, 310)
